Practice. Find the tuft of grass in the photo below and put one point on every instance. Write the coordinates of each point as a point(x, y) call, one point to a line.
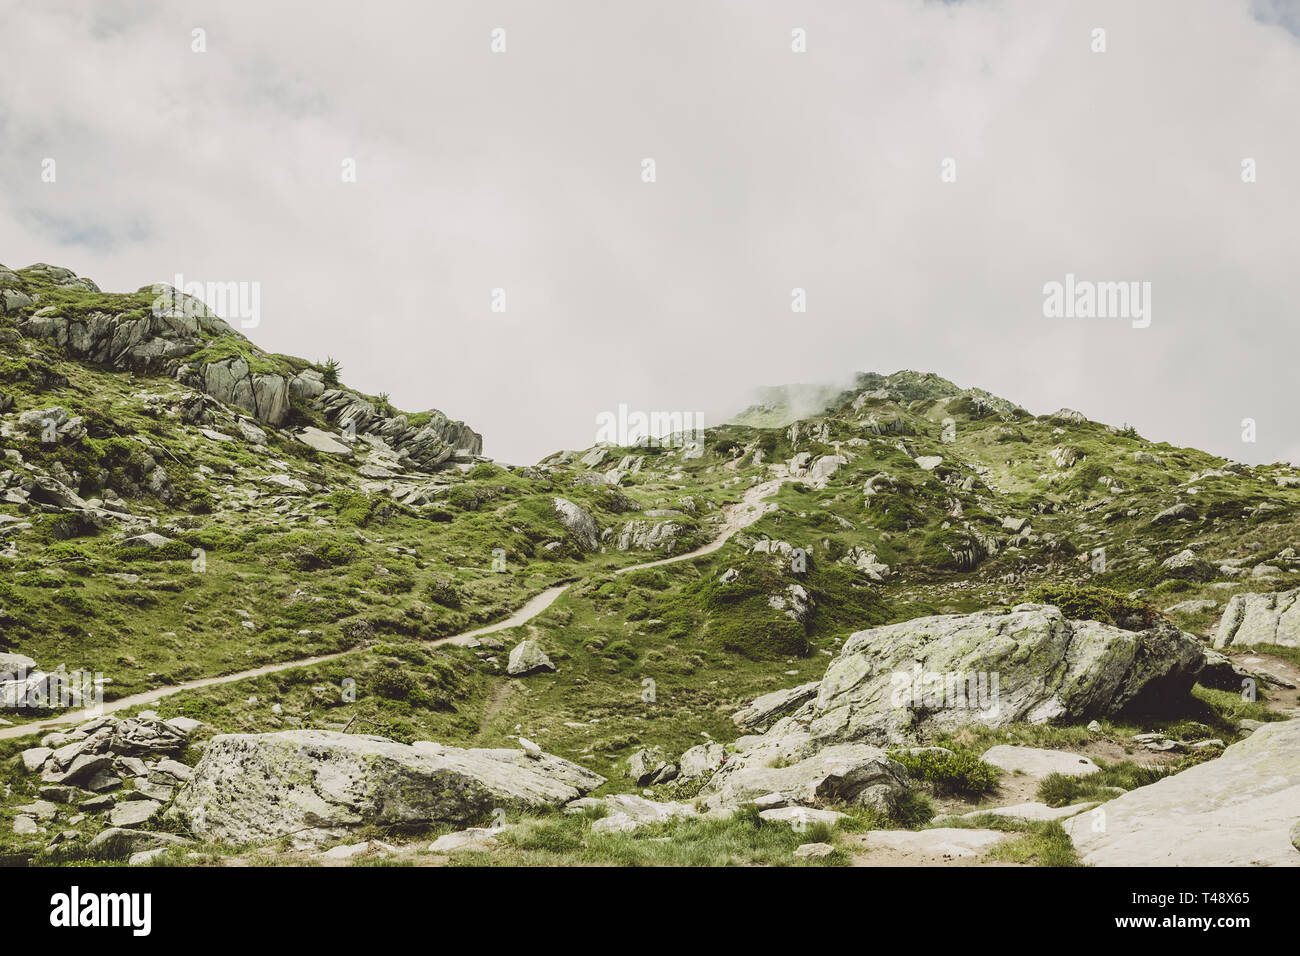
point(1058, 789)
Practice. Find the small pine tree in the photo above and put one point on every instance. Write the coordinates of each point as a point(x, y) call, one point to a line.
point(331, 368)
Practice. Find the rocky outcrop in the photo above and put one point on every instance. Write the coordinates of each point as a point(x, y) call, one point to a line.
point(579, 523)
point(649, 536)
point(151, 342)
point(317, 785)
point(170, 338)
point(1237, 810)
point(160, 340)
point(1272, 618)
point(905, 681)
point(231, 381)
point(424, 446)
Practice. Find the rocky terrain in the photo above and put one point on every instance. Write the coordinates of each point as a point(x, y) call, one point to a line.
point(899, 623)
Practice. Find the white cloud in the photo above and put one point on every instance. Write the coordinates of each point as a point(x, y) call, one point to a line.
point(776, 170)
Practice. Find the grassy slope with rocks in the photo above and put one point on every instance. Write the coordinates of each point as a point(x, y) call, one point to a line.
point(981, 504)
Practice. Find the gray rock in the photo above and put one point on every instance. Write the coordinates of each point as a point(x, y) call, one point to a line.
point(1191, 607)
point(324, 442)
point(579, 523)
point(627, 812)
point(770, 707)
point(528, 658)
point(306, 386)
point(34, 758)
point(813, 851)
point(146, 857)
point(1179, 512)
point(641, 535)
point(1269, 618)
point(132, 814)
point(701, 760)
point(146, 736)
point(901, 682)
point(1237, 810)
point(1037, 762)
point(647, 767)
point(1187, 566)
point(474, 840)
point(320, 784)
point(149, 539)
point(786, 764)
point(800, 818)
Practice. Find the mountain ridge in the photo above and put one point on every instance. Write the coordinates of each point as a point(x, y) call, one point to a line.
point(157, 532)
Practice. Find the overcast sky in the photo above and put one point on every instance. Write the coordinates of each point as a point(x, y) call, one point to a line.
point(775, 170)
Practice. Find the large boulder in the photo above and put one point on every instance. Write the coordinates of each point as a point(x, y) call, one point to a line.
point(787, 763)
point(1237, 810)
point(902, 682)
point(1261, 619)
point(579, 523)
point(318, 784)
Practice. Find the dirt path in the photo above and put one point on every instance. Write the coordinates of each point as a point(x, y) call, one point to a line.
point(735, 517)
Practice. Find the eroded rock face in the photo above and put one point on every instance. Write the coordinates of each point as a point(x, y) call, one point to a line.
point(426, 445)
point(903, 682)
point(1272, 618)
point(318, 784)
point(1237, 810)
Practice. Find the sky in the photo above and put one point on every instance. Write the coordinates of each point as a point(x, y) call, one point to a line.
point(921, 171)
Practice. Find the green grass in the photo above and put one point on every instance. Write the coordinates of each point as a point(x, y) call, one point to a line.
point(1039, 842)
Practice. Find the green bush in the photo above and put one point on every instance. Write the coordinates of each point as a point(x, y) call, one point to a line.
point(960, 772)
point(1087, 603)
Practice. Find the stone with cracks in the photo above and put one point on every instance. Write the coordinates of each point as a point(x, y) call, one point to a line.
point(903, 682)
point(319, 784)
point(1272, 618)
point(770, 707)
point(785, 762)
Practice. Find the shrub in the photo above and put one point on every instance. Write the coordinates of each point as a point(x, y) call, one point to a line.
point(1088, 603)
point(444, 591)
point(949, 772)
